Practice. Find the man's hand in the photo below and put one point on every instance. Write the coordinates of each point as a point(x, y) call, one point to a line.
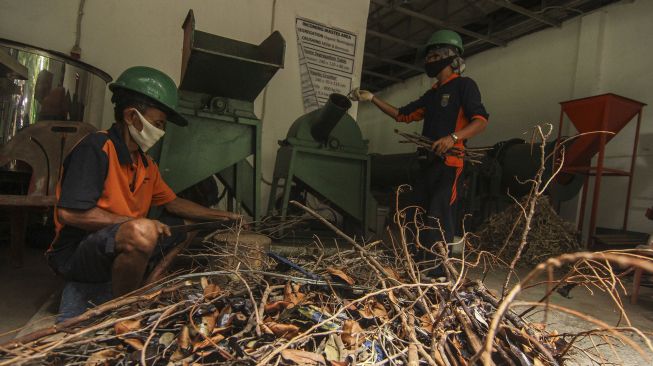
point(442, 145)
point(240, 219)
point(161, 228)
point(358, 95)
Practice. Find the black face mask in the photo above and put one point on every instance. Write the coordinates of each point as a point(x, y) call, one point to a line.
point(433, 68)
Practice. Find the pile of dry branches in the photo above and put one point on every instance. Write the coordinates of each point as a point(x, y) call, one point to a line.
point(361, 306)
point(548, 237)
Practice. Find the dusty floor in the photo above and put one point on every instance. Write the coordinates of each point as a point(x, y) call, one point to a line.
point(24, 291)
point(598, 305)
point(30, 297)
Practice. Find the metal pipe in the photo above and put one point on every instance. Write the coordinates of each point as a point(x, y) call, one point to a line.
point(439, 23)
point(329, 115)
point(631, 173)
point(382, 76)
point(523, 11)
point(388, 37)
point(394, 62)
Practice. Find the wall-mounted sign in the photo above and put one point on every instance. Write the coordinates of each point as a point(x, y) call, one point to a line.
point(326, 61)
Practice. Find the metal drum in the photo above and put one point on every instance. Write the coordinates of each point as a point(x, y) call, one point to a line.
point(58, 88)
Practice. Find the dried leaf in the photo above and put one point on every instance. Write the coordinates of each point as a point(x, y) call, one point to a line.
point(302, 358)
point(135, 343)
point(277, 306)
point(291, 294)
point(338, 363)
point(212, 291)
point(102, 357)
point(479, 318)
point(392, 273)
point(184, 338)
point(426, 323)
point(127, 326)
point(207, 342)
point(352, 334)
point(337, 273)
point(373, 309)
point(333, 348)
point(379, 310)
point(166, 339)
point(280, 330)
point(208, 324)
point(204, 282)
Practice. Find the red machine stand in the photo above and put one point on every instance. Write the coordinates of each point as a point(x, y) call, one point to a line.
point(606, 112)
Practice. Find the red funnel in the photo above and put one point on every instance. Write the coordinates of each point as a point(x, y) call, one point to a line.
point(606, 112)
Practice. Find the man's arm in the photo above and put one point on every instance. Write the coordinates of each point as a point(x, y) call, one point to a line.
point(385, 107)
point(91, 220)
point(193, 211)
point(414, 111)
point(476, 126)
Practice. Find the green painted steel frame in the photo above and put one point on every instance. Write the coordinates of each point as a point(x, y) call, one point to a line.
point(211, 144)
point(339, 177)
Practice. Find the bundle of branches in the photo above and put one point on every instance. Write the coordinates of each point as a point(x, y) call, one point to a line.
point(253, 317)
point(471, 155)
point(359, 306)
point(549, 234)
point(363, 306)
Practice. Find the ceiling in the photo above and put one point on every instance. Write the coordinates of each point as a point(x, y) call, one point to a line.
point(396, 29)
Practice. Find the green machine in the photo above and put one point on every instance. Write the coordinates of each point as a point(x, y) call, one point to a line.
point(324, 152)
point(220, 78)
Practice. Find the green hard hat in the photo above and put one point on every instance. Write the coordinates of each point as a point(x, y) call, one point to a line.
point(444, 37)
point(155, 85)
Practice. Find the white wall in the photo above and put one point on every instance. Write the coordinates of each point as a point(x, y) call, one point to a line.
point(118, 34)
point(522, 84)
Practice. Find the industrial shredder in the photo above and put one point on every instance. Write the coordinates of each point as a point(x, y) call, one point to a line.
point(220, 78)
point(324, 151)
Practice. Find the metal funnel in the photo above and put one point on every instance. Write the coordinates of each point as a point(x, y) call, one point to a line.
point(224, 67)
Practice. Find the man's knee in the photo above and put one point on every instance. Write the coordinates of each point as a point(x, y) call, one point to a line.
point(137, 236)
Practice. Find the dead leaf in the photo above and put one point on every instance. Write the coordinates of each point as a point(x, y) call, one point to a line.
point(379, 311)
point(392, 273)
point(208, 342)
point(338, 363)
point(127, 326)
point(352, 334)
point(373, 309)
point(212, 291)
point(280, 330)
point(277, 306)
point(184, 338)
point(291, 294)
point(340, 275)
point(426, 323)
point(208, 324)
point(135, 343)
point(334, 349)
point(302, 358)
point(102, 357)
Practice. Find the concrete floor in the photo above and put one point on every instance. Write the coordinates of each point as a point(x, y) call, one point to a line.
point(598, 305)
point(29, 296)
point(25, 290)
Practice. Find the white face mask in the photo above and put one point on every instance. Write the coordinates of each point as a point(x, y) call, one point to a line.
point(148, 137)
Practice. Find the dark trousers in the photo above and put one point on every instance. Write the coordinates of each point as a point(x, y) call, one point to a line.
point(433, 192)
point(91, 259)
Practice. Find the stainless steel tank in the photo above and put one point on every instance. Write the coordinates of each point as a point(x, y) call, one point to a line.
point(58, 88)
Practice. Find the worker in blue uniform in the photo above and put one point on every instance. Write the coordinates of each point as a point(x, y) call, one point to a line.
point(452, 112)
